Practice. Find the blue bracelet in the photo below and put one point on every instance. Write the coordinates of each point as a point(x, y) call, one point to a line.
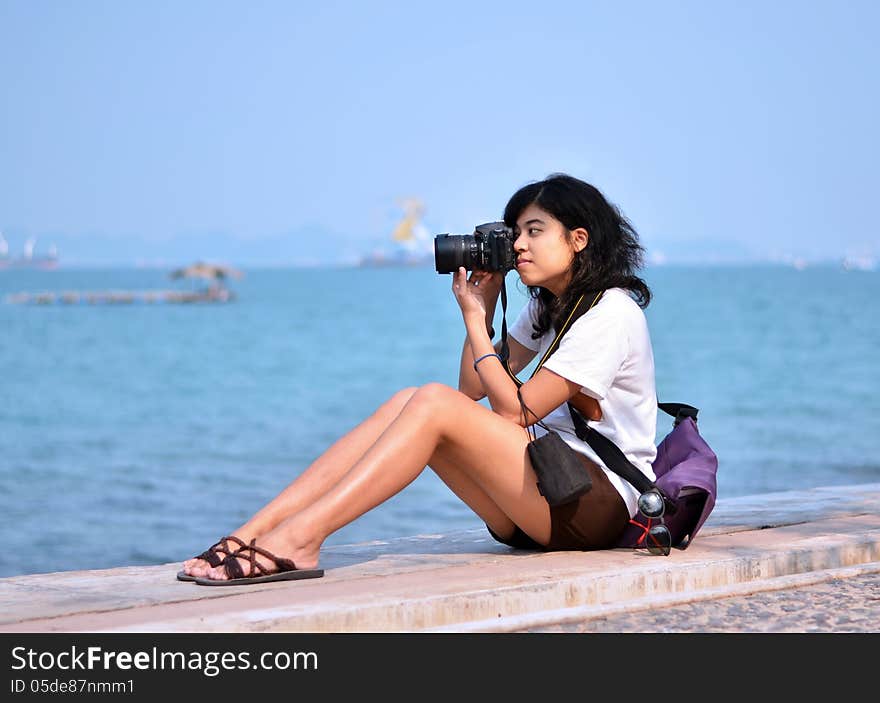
point(486, 356)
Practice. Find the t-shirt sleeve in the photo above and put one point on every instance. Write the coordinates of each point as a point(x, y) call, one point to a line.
point(522, 329)
point(592, 351)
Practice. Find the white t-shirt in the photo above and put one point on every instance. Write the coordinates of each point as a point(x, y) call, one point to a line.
point(608, 352)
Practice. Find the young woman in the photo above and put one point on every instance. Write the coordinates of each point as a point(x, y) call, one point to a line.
point(569, 241)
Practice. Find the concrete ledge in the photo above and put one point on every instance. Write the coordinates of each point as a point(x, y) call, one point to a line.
point(465, 581)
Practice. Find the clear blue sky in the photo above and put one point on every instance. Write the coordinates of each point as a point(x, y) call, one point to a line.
point(263, 131)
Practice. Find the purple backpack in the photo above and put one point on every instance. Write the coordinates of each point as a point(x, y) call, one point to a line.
point(686, 469)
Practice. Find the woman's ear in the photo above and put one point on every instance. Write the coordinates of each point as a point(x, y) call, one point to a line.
point(579, 239)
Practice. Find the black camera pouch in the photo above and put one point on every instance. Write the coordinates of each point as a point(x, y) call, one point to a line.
point(562, 476)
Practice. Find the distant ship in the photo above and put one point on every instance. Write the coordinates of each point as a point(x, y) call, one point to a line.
point(28, 260)
point(413, 245)
point(858, 263)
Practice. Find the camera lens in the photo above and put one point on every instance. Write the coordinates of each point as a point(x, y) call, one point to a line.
point(454, 250)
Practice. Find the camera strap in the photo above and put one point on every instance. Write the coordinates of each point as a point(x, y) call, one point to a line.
point(505, 350)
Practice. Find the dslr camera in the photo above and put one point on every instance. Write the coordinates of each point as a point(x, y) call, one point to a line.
point(489, 248)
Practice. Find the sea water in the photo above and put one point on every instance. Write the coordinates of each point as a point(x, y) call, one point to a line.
point(139, 434)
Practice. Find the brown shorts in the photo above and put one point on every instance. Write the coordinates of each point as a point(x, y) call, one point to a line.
point(593, 521)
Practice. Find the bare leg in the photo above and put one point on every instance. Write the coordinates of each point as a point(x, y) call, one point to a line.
point(318, 478)
point(472, 448)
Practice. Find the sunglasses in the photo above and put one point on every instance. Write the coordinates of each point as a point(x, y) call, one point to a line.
point(656, 537)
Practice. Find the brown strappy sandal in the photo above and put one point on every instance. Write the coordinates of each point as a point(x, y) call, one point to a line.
point(212, 555)
point(257, 573)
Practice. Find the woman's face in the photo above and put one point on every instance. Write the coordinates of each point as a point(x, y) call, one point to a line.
point(543, 252)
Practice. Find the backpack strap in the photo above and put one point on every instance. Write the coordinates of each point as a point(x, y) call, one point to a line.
point(609, 453)
point(679, 411)
point(612, 456)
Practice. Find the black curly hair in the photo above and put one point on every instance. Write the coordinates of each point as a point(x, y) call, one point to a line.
point(610, 259)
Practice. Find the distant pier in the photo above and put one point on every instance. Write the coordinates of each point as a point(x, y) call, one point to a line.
point(215, 291)
point(121, 297)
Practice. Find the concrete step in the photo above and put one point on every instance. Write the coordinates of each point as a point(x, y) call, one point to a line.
point(465, 581)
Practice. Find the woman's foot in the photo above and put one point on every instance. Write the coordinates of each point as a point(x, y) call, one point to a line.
point(304, 555)
point(199, 568)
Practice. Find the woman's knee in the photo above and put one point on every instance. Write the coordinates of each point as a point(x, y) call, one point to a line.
point(439, 405)
point(403, 396)
point(397, 401)
point(433, 395)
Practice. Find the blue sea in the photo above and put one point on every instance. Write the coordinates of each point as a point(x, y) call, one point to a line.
point(139, 434)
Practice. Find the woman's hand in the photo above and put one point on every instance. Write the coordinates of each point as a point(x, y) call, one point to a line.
point(477, 293)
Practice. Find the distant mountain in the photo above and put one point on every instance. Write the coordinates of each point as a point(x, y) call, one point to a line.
point(702, 251)
point(317, 245)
